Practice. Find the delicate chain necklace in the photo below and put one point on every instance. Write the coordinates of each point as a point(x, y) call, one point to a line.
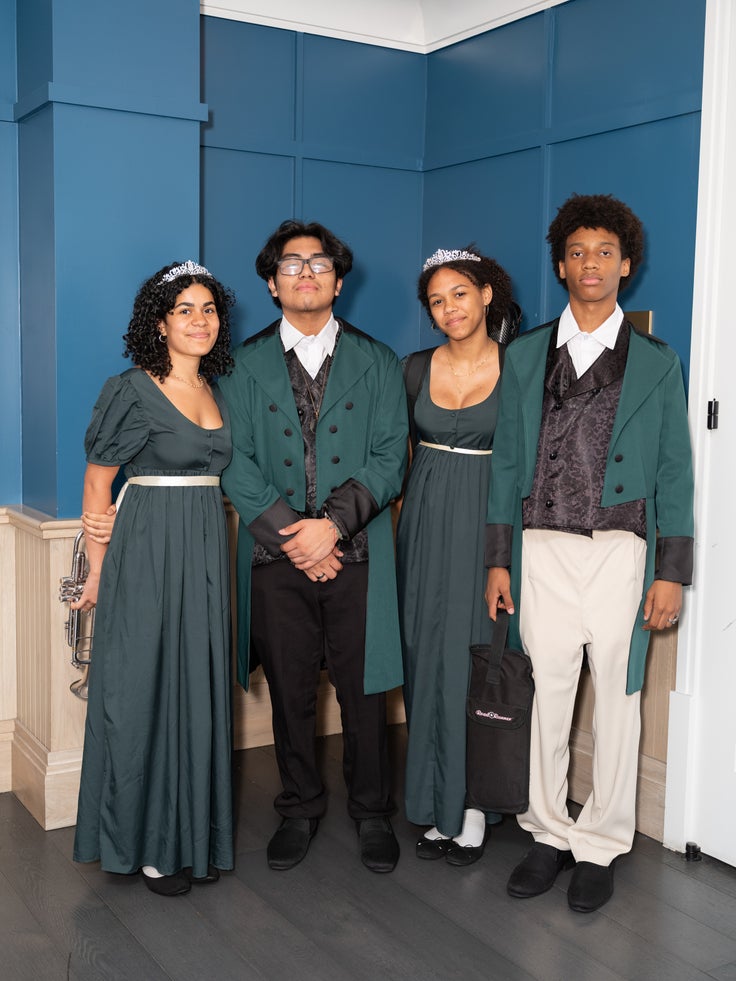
point(186, 381)
point(476, 365)
point(465, 374)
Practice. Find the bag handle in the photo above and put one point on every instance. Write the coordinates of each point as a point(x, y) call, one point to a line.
point(497, 647)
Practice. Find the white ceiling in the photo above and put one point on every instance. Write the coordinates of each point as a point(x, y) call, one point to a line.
point(411, 25)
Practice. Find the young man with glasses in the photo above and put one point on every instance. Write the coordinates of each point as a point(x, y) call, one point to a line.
point(318, 416)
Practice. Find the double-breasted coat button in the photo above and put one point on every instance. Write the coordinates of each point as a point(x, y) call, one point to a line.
point(273, 408)
point(287, 463)
point(348, 406)
point(288, 432)
point(549, 504)
point(619, 457)
point(336, 459)
point(553, 455)
point(289, 491)
point(333, 428)
point(619, 488)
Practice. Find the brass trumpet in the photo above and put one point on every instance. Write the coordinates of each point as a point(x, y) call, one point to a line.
point(80, 626)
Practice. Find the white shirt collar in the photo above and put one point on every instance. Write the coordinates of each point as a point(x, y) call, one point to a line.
point(606, 334)
point(326, 337)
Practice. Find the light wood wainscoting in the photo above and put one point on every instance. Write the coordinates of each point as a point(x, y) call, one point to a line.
point(42, 723)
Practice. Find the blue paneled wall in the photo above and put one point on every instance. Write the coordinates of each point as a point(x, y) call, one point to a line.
point(108, 119)
point(321, 129)
point(107, 173)
point(10, 442)
point(587, 97)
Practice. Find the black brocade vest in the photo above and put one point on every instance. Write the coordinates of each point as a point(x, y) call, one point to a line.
point(577, 421)
point(308, 394)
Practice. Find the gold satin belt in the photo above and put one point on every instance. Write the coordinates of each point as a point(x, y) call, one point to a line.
point(161, 480)
point(455, 449)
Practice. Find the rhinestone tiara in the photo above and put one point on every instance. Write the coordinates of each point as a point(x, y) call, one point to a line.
point(441, 256)
point(187, 268)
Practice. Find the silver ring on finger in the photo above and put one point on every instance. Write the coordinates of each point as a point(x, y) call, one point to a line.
point(674, 619)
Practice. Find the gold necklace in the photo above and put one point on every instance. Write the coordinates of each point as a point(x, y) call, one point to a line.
point(467, 374)
point(186, 381)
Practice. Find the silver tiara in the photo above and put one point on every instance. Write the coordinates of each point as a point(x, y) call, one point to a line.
point(187, 268)
point(441, 256)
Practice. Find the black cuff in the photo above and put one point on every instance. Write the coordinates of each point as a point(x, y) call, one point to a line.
point(265, 528)
point(351, 506)
point(674, 561)
point(498, 546)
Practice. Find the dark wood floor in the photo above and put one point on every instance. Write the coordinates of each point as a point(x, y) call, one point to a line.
point(330, 919)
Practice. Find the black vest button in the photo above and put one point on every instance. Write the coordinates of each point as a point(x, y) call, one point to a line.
point(287, 463)
point(619, 488)
point(289, 491)
point(288, 432)
point(348, 406)
point(619, 457)
point(333, 429)
point(273, 408)
point(336, 459)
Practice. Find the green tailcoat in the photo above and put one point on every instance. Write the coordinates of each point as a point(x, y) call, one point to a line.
point(361, 434)
point(650, 438)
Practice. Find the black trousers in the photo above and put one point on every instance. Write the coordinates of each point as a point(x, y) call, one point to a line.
point(295, 624)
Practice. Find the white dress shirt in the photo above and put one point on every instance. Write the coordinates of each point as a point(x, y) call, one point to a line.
point(310, 349)
point(585, 348)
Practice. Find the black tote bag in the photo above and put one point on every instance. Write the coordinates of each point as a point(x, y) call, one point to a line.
point(499, 707)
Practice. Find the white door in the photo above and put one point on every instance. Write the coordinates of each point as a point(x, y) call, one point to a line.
point(701, 762)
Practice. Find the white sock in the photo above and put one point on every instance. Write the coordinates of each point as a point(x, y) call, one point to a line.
point(151, 872)
point(474, 829)
point(434, 834)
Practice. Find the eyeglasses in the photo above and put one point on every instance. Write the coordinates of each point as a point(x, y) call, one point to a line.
point(293, 266)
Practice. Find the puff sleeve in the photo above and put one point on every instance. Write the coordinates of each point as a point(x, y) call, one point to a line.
point(119, 428)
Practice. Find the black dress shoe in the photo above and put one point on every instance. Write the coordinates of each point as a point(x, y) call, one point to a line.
point(465, 854)
point(168, 885)
point(591, 887)
point(213, 875)
point(379, 849)
point(290, 843)
point(537, 871)
point(432, 848)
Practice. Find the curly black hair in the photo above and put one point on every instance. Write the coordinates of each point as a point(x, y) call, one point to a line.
point(153, 301)
point(597, 211)
point(487, 272)
point(337, 250)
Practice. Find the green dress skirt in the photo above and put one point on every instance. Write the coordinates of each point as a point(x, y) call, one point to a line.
point(441, 578)
point(156, 771)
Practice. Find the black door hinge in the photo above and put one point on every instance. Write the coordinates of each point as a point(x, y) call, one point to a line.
point(713, 414)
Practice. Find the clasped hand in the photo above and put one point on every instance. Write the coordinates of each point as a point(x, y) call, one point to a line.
point(313, 548)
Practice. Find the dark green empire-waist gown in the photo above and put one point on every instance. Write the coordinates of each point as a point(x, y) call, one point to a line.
point(156, 785)
point(441, 578)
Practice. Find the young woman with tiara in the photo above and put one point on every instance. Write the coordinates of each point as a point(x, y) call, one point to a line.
point(155, 788)
point(453, 396)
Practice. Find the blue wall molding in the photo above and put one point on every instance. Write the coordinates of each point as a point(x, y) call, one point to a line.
point(685, 105)
point(55, 92)
point(314, 151)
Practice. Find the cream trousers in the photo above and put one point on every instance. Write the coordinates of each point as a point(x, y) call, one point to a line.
point(577, 590)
